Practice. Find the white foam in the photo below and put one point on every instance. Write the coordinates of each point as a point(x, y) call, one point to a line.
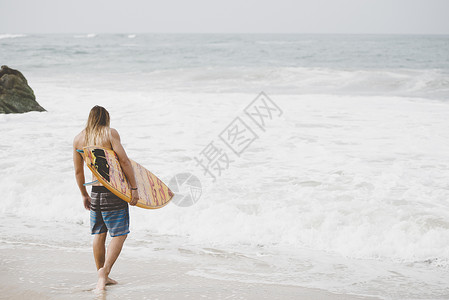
point(89, 35)
point(433, 84)
point(11, 36)
point(359, 176)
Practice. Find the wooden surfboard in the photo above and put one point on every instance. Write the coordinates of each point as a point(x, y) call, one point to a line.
point(104, 164)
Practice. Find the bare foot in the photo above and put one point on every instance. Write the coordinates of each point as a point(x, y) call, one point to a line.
point(102, 279)
point(110, 281)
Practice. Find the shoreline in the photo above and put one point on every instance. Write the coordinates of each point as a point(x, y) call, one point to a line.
point(41, 273)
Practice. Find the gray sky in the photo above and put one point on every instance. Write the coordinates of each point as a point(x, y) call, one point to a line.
point(287, 16)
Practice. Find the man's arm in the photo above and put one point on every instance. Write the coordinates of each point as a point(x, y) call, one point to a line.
point(125, 163)
point(78, 163)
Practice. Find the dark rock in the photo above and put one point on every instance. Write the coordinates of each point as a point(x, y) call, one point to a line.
point(16, 96)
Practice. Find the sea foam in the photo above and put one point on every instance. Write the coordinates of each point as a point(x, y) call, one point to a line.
point(357, 176)
point(11, 36)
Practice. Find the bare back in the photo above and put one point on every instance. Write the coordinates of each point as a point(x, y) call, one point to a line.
point(79, 143)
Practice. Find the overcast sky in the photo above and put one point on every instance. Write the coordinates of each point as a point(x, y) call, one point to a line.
point(230, 16)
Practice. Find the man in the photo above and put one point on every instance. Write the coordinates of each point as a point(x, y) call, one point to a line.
point(107, 211)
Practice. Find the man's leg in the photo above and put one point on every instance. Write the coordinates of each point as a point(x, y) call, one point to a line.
point(100, 252)
point(99, 249)
point(114, 249)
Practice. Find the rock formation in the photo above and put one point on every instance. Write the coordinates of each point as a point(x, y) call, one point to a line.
point(16, 96)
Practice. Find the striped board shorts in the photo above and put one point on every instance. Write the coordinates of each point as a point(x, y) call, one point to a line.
point(108, 213)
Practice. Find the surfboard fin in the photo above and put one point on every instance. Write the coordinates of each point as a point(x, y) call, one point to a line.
point(90, 183)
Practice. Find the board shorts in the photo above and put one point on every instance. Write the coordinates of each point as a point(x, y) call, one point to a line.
point(108, 213)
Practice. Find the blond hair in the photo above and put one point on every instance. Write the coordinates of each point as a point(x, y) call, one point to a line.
point(97, 128)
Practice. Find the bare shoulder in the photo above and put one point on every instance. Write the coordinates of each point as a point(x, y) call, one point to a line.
point(117, 144)
point(78, 140)
point(114, 134)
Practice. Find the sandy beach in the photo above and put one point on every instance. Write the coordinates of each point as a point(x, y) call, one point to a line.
point(43, 272)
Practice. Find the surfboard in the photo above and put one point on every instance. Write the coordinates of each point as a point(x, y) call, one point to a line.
point(104, 164)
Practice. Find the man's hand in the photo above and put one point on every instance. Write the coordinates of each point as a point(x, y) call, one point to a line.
point(86, 202)
point(134, 197)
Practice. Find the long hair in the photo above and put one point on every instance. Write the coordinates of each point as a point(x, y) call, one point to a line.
point(97, 127)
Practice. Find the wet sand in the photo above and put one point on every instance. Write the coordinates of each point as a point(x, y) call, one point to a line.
point(43, 272)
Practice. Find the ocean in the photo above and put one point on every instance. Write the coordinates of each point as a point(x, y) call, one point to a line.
point(344, 188)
